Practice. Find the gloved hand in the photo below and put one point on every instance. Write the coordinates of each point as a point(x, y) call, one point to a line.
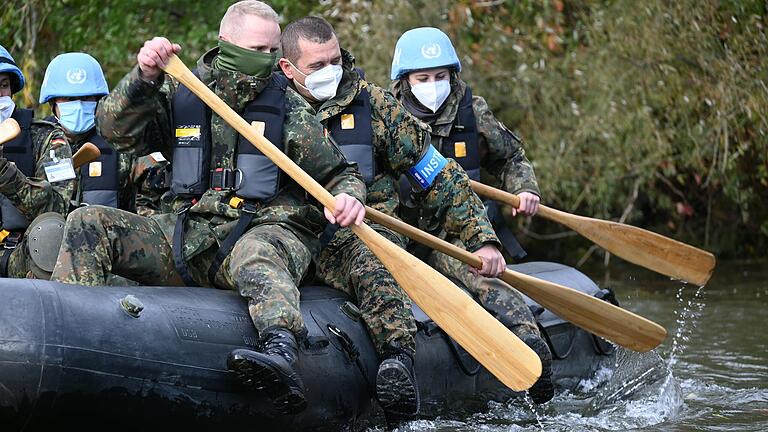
point(11, 178)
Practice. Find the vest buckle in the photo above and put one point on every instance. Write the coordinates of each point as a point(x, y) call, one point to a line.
point(223, 179)
point(12, 240)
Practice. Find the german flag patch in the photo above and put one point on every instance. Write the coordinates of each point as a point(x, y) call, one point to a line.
point(58, 142)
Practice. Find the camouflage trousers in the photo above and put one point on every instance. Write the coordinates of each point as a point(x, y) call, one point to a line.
point(265, 266)
point(500, 299)
point(19, 263)
point(348, 265)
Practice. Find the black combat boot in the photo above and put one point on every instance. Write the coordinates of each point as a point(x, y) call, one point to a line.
point(271, 369)
point(396, 387)
point(542, 390)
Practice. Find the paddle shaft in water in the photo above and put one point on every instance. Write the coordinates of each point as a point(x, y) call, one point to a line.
point(636, 245)
point(492, 344)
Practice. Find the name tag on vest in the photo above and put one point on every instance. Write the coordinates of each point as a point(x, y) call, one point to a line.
point(94, 169)
point(59, 171)
point(347, 121)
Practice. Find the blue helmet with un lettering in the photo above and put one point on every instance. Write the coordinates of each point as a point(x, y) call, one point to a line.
point(73, 74)
point(423, 48)
point(8, 65)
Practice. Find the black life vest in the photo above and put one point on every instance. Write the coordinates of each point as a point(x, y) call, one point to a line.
point(462, 144)
point(99, 180)
point(352, 131)
point(21, 152)
point(259, 178)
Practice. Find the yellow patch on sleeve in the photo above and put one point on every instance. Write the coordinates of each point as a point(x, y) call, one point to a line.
point(259, 127)
point(460, 149)
point(347, 121)
point(94, 169)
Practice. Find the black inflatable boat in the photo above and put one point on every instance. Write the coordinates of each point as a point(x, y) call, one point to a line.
point(144, 358)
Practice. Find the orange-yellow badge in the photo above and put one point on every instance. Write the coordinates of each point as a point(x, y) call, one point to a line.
point(258, 127)
point(347, 121)
point(94, 169)
point(460, 149)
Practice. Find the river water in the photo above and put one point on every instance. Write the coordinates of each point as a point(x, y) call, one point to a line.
point(711, 373)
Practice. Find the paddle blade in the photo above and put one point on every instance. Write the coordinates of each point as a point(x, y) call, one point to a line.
point(486, 339)
point(599, 317)
point(9, 129)
point(88, 153)
point(644, 248)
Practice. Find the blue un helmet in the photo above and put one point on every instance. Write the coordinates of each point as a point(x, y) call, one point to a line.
point(73, 74)
point(8, 65)
point(423, 48)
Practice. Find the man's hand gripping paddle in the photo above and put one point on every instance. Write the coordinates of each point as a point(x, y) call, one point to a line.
point(492, 344)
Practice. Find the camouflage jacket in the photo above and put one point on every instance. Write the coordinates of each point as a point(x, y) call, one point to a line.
point(135, 117)
point(35, 195)
point(400, 141)
point(502, 153)
point(131, 174)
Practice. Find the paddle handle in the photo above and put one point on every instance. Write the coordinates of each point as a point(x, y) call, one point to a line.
point(180, 71)
point(88, 152)
point(9, 129)
point(509, 198)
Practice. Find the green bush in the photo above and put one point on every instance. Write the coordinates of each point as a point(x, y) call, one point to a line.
point(653, 113)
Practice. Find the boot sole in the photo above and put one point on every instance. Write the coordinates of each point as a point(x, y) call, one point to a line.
point(287, 398)
point(397, 392)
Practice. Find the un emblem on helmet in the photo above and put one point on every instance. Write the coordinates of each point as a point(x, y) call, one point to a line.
point(76, 76)
point(431, 51)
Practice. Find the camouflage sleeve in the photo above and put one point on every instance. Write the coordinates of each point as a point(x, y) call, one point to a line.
point(127, 189)
point(35, 195)
point(399, 136)
point(306, 145)
point(458, 208)
point(401, 139)
point(146, 177)
point(502, 152)
point(135, 116)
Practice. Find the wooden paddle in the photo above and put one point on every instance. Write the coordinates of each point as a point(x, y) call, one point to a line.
point(9, 129)
point(636, 245)
point(486, 339)
point(88, 152)
point(592, 314)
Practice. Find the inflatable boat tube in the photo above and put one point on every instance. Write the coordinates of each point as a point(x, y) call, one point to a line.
point(142, 358)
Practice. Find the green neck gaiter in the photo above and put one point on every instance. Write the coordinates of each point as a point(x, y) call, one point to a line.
point(249, 62)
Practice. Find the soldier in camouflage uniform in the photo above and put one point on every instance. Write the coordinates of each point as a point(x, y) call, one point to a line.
point(378, 133)
point(115, 178)
point(425, 74)
point(250, 229)
point(73, 85)
point(36, 174)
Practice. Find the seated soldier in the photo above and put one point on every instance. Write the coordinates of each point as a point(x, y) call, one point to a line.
point(374, 130)
point(425, 74)
point(239, 223)
point(36, 173)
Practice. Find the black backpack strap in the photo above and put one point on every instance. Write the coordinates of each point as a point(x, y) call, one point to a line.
point(248, 212)
point(178, 245)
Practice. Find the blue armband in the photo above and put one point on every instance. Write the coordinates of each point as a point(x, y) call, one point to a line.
point(426, 170)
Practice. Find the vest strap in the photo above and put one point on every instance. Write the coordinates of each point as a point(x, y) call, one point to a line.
point(248, 212)
point(178, 245)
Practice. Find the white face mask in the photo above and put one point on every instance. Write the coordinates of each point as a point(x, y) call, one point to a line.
point(322, 84)
point(432, 94)
point(6, 108)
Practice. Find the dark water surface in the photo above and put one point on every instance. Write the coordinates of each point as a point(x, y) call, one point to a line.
point(710, 374)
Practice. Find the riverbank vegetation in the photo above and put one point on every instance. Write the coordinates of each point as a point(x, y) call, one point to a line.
point(652, 113)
